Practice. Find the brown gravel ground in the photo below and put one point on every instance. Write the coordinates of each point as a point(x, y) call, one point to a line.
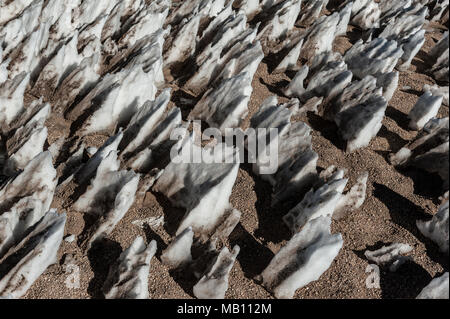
point(395, 200)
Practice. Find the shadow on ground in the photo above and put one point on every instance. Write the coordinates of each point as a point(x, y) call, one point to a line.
point(251, 251)
point(101, 256)
point(405, 214)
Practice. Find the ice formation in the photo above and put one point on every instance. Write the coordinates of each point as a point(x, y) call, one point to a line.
point(311, 11)
point(123, 100)
point(144, 122)
point(214, 283)
point(227, 226)
point(66, 59)
point(388, 82)
point(436, 289)
point(373, 58)
point(389, 256)
point(249, 7)
point(27, 260)
point(411, 48)
point(232, 50)
point(360, 123)
point(365, 14)
point(320, 36)
point(12, 10)
point(152, 222)
point(440, 6)
point(330, 77)
point(437, 228)
point(428, 151)
point(344, 19)
point(425, 109)
point(148, 133)
point(354, 198)
point(328, 82)
point(405, 25)
point(11, 99)
point(296, 165)
point(184, 44)
point(225, 106)
point(78, 81)
point(25, 199)
point(124, 77)
point(179, 251)
point(108, 198)
point(87, 171)
point(355, 92)
point(29, 49)
point(437, 90)
point(439, 54)
point(321, 202)
point(16, 30)
point(326, 198)
point(281, 21)
point(203, 189)
point(289, 62)
point(128, 276)
point(147, 21)
point(27, 141)
point(303, 259)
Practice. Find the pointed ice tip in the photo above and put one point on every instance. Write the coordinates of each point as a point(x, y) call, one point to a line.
point(364, 175)
point(153, 245)
point(42, 159)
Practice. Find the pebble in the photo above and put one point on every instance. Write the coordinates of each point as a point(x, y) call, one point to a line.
point(69, 238)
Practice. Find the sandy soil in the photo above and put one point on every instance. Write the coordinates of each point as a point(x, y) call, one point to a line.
point(395, 200)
